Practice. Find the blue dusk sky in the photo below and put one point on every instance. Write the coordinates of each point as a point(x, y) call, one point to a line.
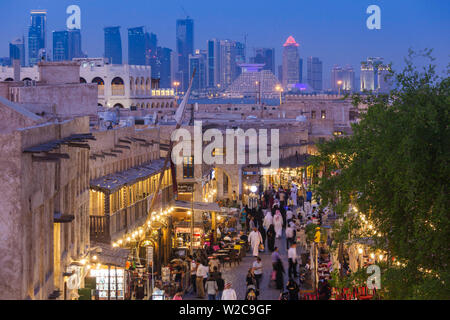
point(333, 30)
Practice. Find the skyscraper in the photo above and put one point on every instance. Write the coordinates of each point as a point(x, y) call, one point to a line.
point(67, 45)
point(113, 45)
point(344, 74)
point(151, 53)
point(17, 51)
point(163, 67)
point(197, 61)
point(265, 56)
point(232, 54)
point(290, 63)
point(60, 45)
point(369, 73)
point(300, 70)
point(75, 50)
point(213, 63)
point(314, 73)
point(185, 47)
point(136, 46)
point(37, 36)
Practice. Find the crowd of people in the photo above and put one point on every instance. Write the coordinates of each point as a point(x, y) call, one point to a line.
point(281, 210)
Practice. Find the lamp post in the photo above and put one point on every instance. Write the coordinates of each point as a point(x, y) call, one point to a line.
point(280, 90)
point(339, 86)
point(176, 84)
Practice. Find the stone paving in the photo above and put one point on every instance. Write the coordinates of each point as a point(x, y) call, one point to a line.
point(237, 273)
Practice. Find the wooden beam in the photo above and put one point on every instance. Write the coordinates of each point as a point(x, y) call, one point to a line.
point(79, 145)
point(45, 159)
point(125, 141)
point(122, 147)
point(58, 155)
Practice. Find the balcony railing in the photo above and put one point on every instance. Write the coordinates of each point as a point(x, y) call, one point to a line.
point(109, 227)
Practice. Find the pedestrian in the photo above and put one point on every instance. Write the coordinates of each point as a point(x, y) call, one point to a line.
point(294, 195)
point(211, 288)
point(289, 216)
point(178, 295)
point(220, 285)
point(279, 269)
point(278, 223)
point(229, 293)
point(262, 231)
point(250, 279)
point(271, 238)
point(193, 274)
point(292, 259)
point(324, 290)
point(293, 289)
point(201, 273)
point(290, 235)
point(257, 271)
point(268, 220)
point(252, 224)
point(255, 240)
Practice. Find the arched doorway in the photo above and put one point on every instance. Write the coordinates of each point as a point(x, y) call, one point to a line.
point(82, 80)
point(118, 105)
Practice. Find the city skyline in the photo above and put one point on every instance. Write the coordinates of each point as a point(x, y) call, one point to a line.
point(397, 34)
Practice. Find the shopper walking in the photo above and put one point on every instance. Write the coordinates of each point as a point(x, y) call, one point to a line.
point(278, 223)
point(257, 271)
point(292, 259)
point(293, 289)
point(255, 240)
point(211, 288)
point(193, 274)
point(201, 273)
point(271, 238)
point(290, 235)
point(229, 293)
point(220, 285)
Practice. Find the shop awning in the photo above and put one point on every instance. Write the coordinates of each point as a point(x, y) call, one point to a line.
point(199, 206)
point(113, 182)
point(111, 256)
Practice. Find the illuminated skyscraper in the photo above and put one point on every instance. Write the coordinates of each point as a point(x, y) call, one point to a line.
point(197, 61)
point(185, 47)
point(265, 56)
point(314, 73)
point(213, 63)
point(346, 75)
point(290, 63)
point(67, 45)
point(113, 45)
point(37, 36)
point(373, 75)
point(136, 46)
point(17, 51)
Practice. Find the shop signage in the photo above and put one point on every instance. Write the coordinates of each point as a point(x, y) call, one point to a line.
point(185, 187)
point(165, 274)
point(188, 230)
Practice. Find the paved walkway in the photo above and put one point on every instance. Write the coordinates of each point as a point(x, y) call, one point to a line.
point(237, 274)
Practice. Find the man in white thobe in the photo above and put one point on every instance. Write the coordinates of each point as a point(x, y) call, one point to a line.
point(268, 220)
point(255, 240)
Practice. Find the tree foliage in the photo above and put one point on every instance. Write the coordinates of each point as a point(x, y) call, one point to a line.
point(395, 169)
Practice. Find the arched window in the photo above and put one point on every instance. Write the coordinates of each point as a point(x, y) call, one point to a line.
point(100, 85)
point(118, 105)
point(83, 80)
point(148, 105)
point(137, 87)
point(9, 79)
point(117, 87)
point(142, 86)
point(132, 86)
point(26, 79)
point(148, 86)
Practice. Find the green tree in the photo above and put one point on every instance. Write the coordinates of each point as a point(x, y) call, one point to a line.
point(395, 168)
